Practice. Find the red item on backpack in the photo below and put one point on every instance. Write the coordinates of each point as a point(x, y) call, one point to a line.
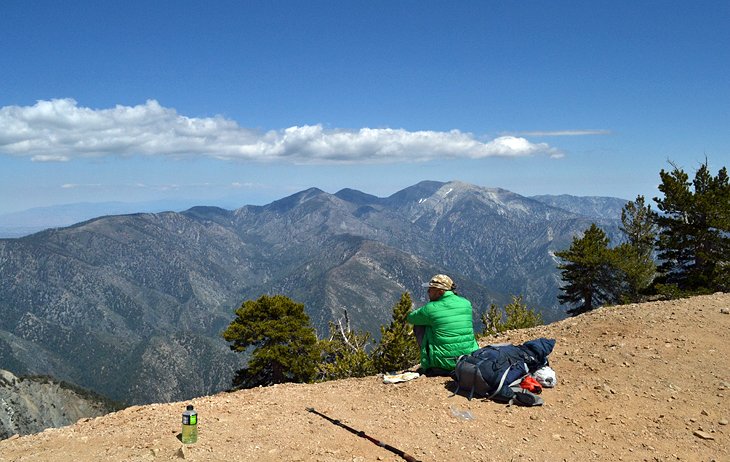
point(531, 385)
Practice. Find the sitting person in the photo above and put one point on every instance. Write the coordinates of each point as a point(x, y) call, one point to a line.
point(443, 327)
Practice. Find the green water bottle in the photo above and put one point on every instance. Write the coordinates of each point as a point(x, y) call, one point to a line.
point(189, 425)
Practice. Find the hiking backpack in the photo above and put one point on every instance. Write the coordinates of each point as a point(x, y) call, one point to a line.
point(490, 371)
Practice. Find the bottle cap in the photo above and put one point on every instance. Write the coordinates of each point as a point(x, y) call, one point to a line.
point(190, 407)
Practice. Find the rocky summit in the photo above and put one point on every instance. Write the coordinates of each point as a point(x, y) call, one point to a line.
point(639, 382)
point(132, 306)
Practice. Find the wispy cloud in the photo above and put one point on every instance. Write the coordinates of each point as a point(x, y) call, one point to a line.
point(60, 130)
point(159, 186)
point(80, 185)
point(239, 185)
point(49, 158)
point(588, 132)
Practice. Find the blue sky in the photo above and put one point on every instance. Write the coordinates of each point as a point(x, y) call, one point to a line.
point(234, 103)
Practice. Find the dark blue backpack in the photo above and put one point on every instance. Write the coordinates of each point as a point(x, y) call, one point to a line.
point(488, 372)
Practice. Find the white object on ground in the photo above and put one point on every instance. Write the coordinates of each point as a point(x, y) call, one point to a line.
point(404, 377)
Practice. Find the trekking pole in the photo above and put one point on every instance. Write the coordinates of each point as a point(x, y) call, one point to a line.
point(362, 434)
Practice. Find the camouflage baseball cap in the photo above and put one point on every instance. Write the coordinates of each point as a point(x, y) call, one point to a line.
point(440, 281)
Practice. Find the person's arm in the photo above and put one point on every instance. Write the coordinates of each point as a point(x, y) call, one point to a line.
point(420, 317)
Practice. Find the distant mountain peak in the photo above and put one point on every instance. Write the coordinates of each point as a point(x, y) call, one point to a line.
point(415, 193)
point(296, 199)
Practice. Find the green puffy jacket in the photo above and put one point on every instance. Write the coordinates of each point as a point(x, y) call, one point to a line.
point(449, 330)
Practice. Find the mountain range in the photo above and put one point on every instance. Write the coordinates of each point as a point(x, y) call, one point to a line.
point(132, 306)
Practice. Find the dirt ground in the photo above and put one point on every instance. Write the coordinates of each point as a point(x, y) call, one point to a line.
point(645, 382)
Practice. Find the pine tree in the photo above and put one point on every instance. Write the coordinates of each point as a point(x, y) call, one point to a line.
point(633, 259)
point(285, 347)
point(638, 225)
point(397, 349)
point(634, 272)
point(516, 316)
point(588, 272)
point(694, 237)
point(519, 316)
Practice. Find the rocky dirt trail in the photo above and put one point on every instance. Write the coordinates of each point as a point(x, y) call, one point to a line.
point(641, 382)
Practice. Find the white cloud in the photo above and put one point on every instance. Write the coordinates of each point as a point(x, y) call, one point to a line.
point(59, 130)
